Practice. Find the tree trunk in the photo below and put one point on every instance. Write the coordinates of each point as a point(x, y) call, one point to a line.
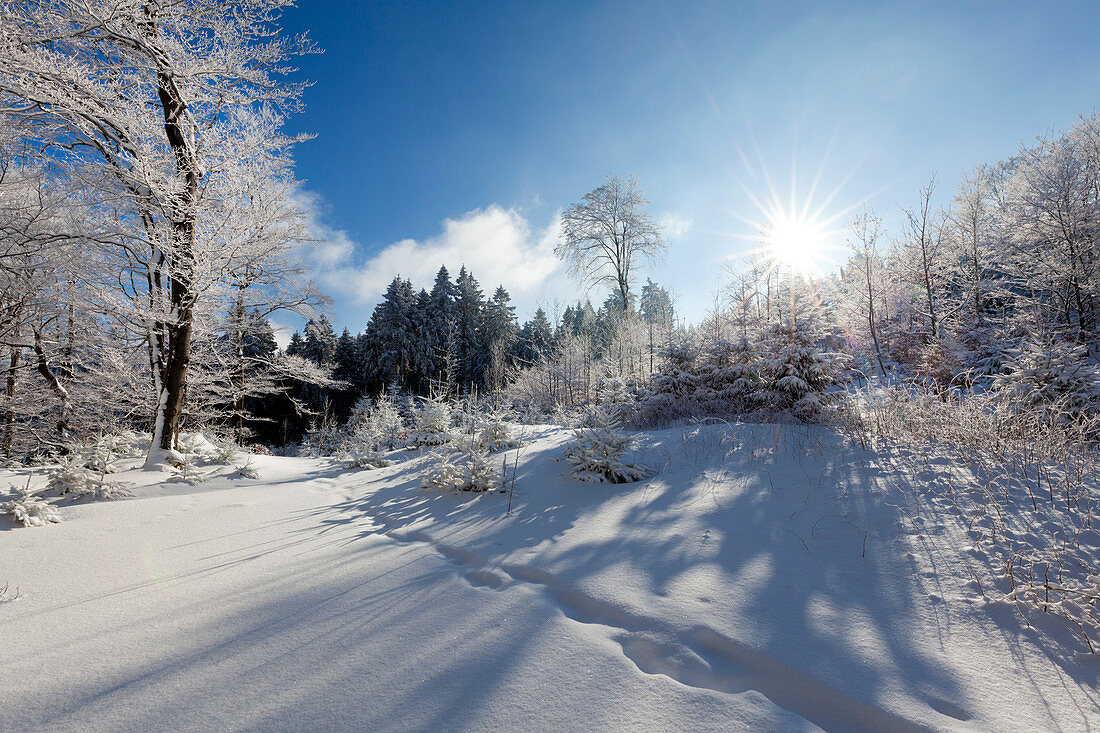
point(9, 393)
point(177, 362)
point(55, 385)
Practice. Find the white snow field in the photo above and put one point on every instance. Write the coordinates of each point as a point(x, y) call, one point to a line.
point(760, 579)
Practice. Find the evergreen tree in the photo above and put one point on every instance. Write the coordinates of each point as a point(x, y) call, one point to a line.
point(500, 334)
point(500, 319)
point(471, 352)
point(259, 338)
point(319, 345)
point(536, 339)
point(346, 368)
point(294, 348)
point(440, 315)
point(391, 337)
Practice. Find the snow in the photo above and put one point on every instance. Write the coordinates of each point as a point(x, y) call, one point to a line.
point(760, 579)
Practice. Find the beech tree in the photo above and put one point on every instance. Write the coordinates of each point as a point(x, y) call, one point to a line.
point(169, 112)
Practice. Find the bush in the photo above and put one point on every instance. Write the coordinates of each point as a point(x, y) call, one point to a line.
point(495, 434)
point(75, 478)
point(361, 454)
point(597, 453)
point(247, 470)
point(462, 466)
point(797, 373)
point(385, 424)
point(1050, 374)
point(431, 423)
point(29, 509)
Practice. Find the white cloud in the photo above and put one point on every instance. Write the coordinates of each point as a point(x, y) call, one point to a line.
point(496, 244)
point(282, 332)
point(674, 226)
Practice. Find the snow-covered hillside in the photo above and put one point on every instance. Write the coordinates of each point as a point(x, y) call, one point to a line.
point(762, 578)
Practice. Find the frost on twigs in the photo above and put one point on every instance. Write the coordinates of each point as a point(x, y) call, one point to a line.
point(83, 472)
point(1049, 375)
point(29, 509)
point(380, 422)
point(247, 470)
point(371, 430)
point(495, 434)
point(431, 423)
point(598, 453)
point(361, 454)
point(462, 466)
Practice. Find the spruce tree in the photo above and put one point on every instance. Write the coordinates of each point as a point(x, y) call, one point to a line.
point(471, 353)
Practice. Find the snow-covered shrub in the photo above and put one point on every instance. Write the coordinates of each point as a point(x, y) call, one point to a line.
point(942, 362)
point(97, 455)
point(1045, 372)
point(385, 424)
point(131, 444)
point(225, 453)
point(247, 470)
point(598, 453)
point(431, 423)
point(617, 397)
point(360, 413)
point(563, 416)
point(29, 509)
point(462, 466)
point(720, 379)
point(361, 453)
point(185, 465)
point(322, 438)
point(372, 429)
point(75, 478)
point(797, 374)
point(495, 434)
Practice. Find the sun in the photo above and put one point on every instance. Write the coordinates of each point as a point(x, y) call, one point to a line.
point(794, 241)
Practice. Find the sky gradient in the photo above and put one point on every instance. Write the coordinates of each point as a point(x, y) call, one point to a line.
point(453, 133)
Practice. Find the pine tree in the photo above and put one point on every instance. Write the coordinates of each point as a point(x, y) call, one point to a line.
point(440, 316)
point(500, 334)
point(1049, 373)
point(346, 369)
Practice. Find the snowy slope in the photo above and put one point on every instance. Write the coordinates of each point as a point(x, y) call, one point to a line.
point(760, 580)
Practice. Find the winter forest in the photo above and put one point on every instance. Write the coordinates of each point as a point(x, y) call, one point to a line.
point(862, 496)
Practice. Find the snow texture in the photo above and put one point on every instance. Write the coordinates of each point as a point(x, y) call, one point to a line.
point(762, 579)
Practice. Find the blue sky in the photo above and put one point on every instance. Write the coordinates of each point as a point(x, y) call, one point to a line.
point(453, 132)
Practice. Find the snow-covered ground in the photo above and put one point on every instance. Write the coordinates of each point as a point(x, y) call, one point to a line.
point(761, 579)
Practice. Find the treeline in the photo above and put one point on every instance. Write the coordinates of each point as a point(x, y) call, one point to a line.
point(1011, 264)
point(455, 341)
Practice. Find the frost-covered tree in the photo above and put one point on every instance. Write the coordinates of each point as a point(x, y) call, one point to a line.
point(598, 453)
point(863, 276)
point(171, 113)
point(603, 236)
point(1050, 373)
